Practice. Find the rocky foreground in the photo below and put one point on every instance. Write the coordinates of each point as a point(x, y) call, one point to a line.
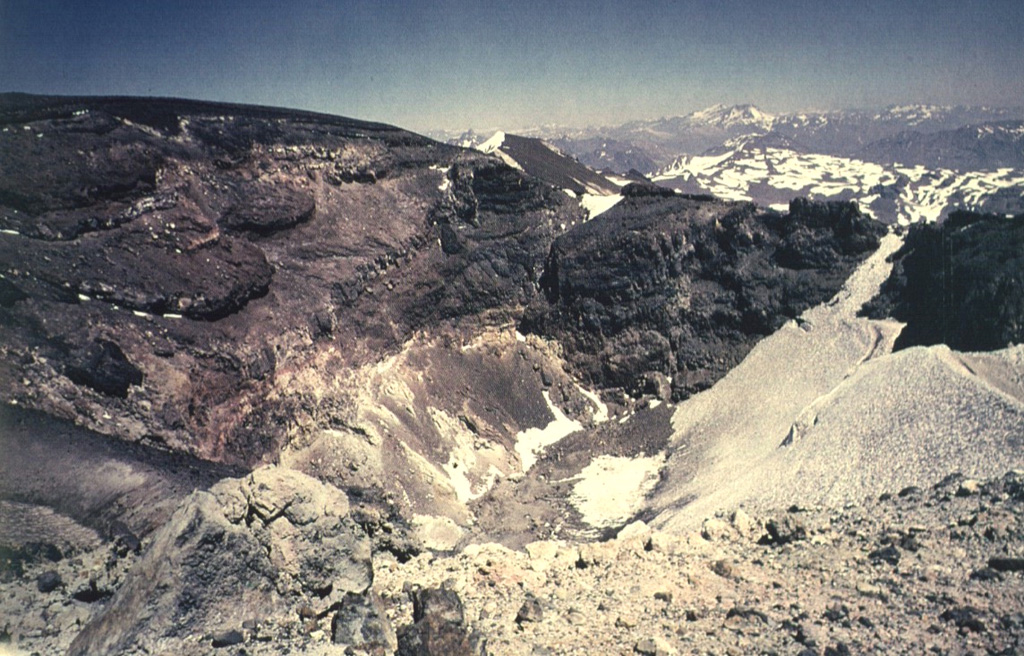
point(915, 571)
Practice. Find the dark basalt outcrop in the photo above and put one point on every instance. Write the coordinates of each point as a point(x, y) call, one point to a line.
point(439, 626)
point(959, 283)
point(162, 260)
point(104, 367)
point(267, 209)
point(685, 287)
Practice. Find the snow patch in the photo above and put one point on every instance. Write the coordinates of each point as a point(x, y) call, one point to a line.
point(493, 147)
point(601, 414)
point(492, 144)
point(505, 157)
point(595, 204)
point(617, 179)
point(467, 458)
point(611, 489)
point(921, 194)
point(531, 442)
point(446, 182)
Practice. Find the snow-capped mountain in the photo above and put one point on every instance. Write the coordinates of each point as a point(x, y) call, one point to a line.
point(841, 132)
point(849, 132)
point(736, 116)
point(665, 138)
point(771, 174)
point(903, 163)
point(972, 147)
point(606, 154)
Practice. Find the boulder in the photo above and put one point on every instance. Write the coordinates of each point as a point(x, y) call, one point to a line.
point(439, 626)
point(104, 367)
point(783, 531)
point(48, 581)
point(655, 646)
point(277, 544)
point(361, 624)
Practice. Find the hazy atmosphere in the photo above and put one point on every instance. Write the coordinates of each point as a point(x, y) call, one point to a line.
point(426, 65)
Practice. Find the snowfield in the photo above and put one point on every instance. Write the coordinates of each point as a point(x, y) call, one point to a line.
point(894, 194)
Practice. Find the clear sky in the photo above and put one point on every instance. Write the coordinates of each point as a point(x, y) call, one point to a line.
point(462, 63)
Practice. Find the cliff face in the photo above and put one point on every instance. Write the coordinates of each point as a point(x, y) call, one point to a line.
point(959, 283)
point(670, 287)
point(165, 262)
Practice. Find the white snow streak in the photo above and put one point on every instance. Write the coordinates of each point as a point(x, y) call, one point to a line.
point(492, 144)
point(595, 205)
point(531, 442)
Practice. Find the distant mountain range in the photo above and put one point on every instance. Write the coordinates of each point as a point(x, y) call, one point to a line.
point(769, 172)
point(841, 132)
point(904, 163)
point(971, 147)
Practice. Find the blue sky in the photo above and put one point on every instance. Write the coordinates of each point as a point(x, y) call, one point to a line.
point(455, 64)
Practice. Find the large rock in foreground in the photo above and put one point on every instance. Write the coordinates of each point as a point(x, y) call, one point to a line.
point(270, 557)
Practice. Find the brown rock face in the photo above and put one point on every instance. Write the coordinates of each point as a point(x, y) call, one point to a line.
point(167, 264)
point(439, 627)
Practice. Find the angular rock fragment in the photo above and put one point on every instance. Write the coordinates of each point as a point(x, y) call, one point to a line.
point(784, 531)
point(530, 611)
point(361, 624)
point(439, 627)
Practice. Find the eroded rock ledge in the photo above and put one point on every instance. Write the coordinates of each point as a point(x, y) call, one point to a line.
point(167, 262)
